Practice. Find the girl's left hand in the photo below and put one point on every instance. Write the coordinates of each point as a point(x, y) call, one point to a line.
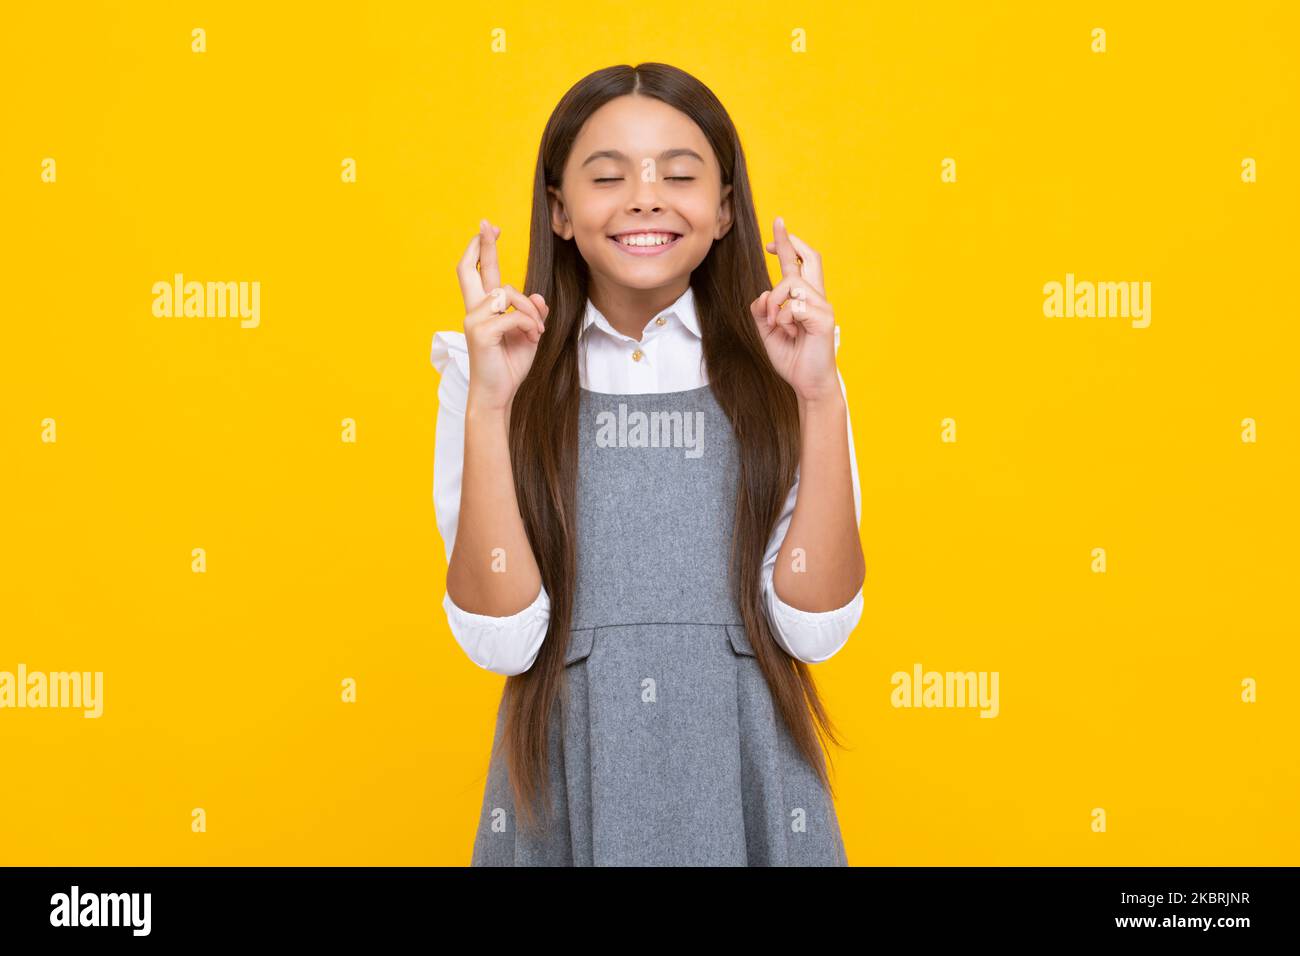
point(796, 322)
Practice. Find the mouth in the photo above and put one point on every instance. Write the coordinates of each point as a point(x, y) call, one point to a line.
point(645, 242)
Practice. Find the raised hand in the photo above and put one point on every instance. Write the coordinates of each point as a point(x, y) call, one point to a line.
point(796, 322)
point(501, 341)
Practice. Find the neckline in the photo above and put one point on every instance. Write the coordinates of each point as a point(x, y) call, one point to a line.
point(680, 391)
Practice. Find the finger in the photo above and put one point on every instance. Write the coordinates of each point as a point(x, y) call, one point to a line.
point(793, 303)
point(761, 312)
point(794, 288)
point(495, 328)
point(471, 283)
point(523, 303)
point(770, 312)
point(811, 269)
point(495, 302)
point(541, 304)
point(786, 321)
point(785, 251)
point(499, 299)
point(773, 304)
point(776, 316)
point(488, 263)
point(784, 291)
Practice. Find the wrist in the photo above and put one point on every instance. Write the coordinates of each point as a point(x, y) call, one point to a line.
point(828, 401)
point(487, 413)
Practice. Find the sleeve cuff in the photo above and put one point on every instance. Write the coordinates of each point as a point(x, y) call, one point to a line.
point(812, 636)
point(504, 645)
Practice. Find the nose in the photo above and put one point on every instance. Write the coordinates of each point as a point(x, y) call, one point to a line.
point(645, 197)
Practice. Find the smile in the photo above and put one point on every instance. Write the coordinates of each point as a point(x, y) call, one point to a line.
point(645, 243)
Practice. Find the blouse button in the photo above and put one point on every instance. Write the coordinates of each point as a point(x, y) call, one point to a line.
point(660, 321)
point(636, 356)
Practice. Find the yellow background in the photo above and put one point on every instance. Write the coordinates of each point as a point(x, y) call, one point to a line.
point(222, 690)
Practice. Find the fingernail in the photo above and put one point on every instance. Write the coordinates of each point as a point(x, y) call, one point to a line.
point(780, 222)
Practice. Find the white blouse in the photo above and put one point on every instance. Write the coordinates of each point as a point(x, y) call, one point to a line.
point(669, 357)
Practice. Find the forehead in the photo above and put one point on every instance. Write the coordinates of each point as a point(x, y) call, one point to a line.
point(639, 126)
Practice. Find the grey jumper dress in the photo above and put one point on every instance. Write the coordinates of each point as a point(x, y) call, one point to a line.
point(666, 748)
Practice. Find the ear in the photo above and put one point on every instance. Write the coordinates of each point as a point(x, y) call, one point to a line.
point(724, 213)
point(560, 224)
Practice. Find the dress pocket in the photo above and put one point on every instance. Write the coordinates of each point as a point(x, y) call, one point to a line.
point(580, 642)
point(739, 640)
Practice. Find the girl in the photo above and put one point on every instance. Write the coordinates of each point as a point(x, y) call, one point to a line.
point(628, 494)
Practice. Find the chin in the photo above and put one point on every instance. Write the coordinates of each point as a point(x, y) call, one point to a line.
point(645, 278)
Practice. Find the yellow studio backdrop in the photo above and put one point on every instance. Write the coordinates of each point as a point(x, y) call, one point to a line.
point(1100, 511)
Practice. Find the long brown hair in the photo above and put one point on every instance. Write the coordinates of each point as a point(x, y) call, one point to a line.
point(761, 405)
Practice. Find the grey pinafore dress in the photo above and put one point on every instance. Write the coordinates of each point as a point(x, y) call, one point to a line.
point(666, 748)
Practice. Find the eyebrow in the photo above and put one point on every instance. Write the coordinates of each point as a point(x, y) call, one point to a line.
point(615, 154)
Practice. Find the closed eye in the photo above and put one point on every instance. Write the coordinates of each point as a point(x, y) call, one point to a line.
point(615, 179)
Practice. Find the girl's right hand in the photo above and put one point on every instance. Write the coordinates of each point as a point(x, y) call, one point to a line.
point(501, 343)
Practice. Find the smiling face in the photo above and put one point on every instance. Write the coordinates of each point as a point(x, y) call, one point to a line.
point(642, 195)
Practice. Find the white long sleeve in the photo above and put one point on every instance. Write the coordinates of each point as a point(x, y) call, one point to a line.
point(509, 645)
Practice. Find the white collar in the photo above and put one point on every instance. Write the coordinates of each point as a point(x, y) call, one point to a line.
point(683, 308)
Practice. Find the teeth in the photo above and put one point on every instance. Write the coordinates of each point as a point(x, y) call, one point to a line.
point(647, 239)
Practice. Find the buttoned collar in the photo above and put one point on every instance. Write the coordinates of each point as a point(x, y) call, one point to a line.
point(683, 308)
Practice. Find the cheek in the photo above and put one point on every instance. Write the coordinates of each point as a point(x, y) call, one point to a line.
point(596, 247)
point(701, 213)
point(589, 230)
point(588, 213)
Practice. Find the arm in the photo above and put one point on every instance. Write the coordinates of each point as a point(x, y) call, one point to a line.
point(824, 523)
point(504, 640)
point(815, 628)
point(820, 566)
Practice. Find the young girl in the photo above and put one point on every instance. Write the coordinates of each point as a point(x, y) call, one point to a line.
point(645, 482)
